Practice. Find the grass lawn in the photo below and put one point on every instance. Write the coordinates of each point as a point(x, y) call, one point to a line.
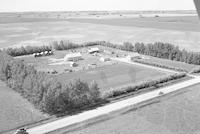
point(177, 113)
point(114, 76)
point(16, 111)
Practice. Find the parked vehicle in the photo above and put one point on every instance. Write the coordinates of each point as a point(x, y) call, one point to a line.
point(21, 131)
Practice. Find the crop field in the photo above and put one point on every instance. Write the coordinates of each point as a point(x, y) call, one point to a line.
point(115, 76)
point(181, 31)
point(177, 113)
point(16, 111)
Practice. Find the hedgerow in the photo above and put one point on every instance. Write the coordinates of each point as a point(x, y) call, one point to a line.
point(64, 45)
point(19, 51)
point(160, 65)
point(148, 84)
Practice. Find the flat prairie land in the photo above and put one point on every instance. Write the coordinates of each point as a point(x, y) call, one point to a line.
point(182, 31)
point(114, 76)
point(179, 23)
point(16, 111)
point(177, 113)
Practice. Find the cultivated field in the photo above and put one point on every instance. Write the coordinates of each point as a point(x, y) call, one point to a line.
point(176, 113)
point(179, 23)
point(182, 31)
point(15, 111)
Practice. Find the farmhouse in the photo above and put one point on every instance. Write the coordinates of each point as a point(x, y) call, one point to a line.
point(133, 56)
point(94, 50)
point(73, 57)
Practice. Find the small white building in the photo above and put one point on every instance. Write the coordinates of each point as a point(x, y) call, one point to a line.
point(73, 57)
point(133, 56)
point(104, 59)
point(94, 50)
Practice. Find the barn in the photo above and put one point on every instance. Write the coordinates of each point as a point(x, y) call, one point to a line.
point(73, 57)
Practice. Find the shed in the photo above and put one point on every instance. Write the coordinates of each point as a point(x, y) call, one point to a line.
point(73, 57)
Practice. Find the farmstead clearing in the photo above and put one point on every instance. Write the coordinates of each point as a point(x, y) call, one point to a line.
point(101, 67)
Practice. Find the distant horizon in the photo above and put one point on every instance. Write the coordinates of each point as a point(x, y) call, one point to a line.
point(93, 5)
point(97, 11)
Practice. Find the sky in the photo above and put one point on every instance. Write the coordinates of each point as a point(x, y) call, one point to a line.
point(85, 5)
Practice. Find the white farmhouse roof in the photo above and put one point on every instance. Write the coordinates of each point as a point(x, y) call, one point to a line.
point(95, 49)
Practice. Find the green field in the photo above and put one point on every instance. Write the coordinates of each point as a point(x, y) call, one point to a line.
point(114, 76)
point(15, 111)
point(173, 114)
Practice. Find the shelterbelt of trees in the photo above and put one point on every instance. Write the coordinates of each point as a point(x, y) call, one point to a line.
point(43, 90)
point(157, 49)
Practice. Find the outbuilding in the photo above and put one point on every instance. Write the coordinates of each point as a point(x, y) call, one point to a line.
point(94, 50)
point(73, 57)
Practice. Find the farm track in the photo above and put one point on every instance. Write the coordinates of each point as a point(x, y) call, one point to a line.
point(100, 111)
